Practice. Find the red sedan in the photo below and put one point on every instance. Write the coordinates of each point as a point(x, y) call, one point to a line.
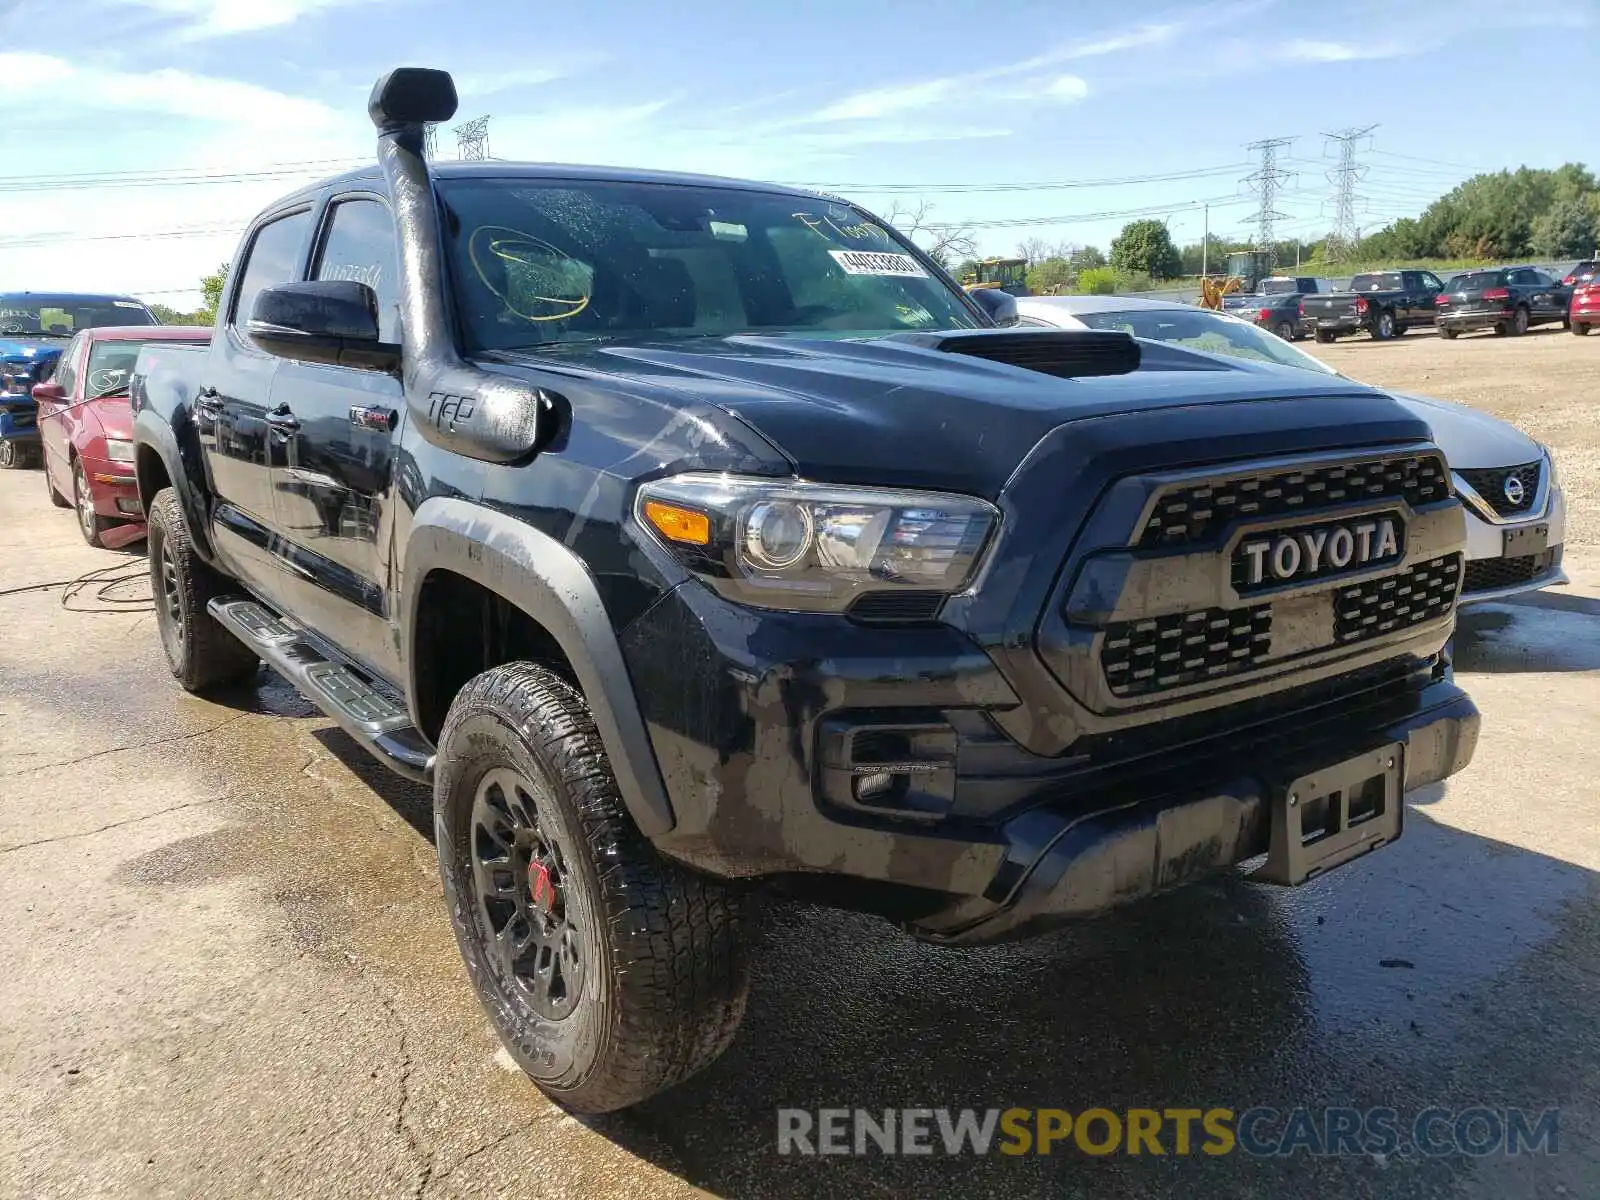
point(86, 428)
point(1585, 311)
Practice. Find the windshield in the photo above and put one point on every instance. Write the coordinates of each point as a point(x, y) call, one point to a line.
point(1208, 332)
point(1387, 281)
point(538, 262)
point(38, 315)
point(111, 366)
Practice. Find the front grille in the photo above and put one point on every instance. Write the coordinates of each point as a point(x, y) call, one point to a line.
point(1194, 512)
point(1490, 483)
point(1492, 574)
point(1379, 606)
point(1141, 657)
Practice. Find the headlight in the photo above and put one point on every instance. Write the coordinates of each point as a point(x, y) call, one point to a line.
point(119, 451)
point(1550, 457)
point(813, 547)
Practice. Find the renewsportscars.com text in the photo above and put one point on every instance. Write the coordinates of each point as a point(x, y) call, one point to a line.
point(1259, 1132)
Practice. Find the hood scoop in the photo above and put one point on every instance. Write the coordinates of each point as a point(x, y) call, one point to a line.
point(1064, 353)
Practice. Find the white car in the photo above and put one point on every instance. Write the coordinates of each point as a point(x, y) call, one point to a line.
point(1516, 513)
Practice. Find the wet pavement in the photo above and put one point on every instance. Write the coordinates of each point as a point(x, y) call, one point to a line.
point(225, 968)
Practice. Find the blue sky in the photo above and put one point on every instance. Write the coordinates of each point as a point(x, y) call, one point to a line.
point(859, 98)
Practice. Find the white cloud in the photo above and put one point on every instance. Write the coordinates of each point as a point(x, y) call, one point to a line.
point(221, 18)
point(1067, 87)
point(1145, 35)
point(1309, 50)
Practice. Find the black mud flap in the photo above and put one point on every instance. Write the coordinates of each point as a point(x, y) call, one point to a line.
point(1324, 819)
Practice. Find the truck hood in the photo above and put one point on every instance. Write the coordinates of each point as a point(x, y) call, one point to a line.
point(834, 407)
point(1470, 438)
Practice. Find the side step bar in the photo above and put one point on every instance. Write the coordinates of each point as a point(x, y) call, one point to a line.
point(370, 714)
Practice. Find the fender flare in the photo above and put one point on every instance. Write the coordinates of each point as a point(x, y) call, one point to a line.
point(546, 580)
point(150, 430)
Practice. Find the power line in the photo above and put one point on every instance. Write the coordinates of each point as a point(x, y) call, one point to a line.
point(1063, 185)
point(1344, 178)
point(1265, 182)
point(173, 178)
point(1152, 210)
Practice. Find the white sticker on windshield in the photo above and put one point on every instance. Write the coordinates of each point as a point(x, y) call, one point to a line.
point(872, 262)
point(127, 304)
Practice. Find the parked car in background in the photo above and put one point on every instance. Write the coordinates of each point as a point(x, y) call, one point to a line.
point(86, 428)
point(1508, 300)
point(1384, 303)
point(1584, 312)
point(34, 329)
point(1516, 511)
point(1275, 304)
point(1583, 272)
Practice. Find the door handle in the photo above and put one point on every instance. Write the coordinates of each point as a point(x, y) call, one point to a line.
point(283, 420)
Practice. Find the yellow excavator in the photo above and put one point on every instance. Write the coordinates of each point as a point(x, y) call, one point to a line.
point(1007, 274)
point(1246, 270)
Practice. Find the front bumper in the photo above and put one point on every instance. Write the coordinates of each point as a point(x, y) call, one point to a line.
point(1494, 574)
point(757, 723)
point(114, 489)
point(19, 424)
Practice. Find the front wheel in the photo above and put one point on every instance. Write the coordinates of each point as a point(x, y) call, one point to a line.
point(1448, 334)
point(15, 456)
point(90, 523)
point(200, 651)
point(609, 972)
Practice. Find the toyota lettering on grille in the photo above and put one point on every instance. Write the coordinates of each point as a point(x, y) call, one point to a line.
point(1320, 551)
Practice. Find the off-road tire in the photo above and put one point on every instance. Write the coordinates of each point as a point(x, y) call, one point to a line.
point(56, 497)
point(665, 971)
point(200, 651)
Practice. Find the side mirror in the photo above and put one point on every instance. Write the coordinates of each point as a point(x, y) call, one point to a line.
point(1001, 306)
point(48, 391)
point(330, 321)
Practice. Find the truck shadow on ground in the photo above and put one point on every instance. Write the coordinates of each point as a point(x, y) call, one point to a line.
point(1228, 994)
point(1544, 633)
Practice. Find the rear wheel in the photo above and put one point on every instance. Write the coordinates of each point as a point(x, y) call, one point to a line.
point(1322, 337)
point(200, 651)
point(1519, 322)
point(1383, 329)
point(609, 972)
point(1285, 330)
point(1579, 328)
point(90, 523)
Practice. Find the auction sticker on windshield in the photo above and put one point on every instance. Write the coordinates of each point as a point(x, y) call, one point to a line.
point(872, 262)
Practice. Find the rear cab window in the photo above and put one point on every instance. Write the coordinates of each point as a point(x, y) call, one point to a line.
point(1382, 281)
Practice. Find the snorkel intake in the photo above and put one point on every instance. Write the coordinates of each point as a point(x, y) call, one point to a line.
point(454, 404)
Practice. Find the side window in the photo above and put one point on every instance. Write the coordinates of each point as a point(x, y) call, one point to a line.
point(1540, 278)
point(360, 245)
point(1431, 281)
point(274, 258)
point(66, 366)
point(1522, 276)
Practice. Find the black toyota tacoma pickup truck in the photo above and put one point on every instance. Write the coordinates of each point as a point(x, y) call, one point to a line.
point(1384, 303)
point(689, 534)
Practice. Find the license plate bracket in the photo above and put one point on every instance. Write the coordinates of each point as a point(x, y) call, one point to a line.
point(1328, 817)
point(1529, 539)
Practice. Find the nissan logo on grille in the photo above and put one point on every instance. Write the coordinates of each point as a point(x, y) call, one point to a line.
point(1317, 551)
point(1514, 490)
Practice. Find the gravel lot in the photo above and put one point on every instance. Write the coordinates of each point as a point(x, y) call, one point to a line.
point(225, 969)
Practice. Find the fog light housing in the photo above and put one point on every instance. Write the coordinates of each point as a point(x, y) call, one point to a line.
point(131, 507)
point(898, 764)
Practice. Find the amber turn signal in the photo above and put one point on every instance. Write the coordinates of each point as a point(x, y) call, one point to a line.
point(678, 524)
